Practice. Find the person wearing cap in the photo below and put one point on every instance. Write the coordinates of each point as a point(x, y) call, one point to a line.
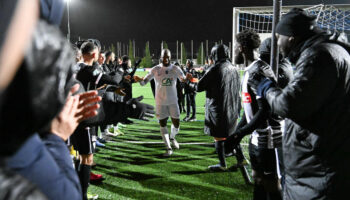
point(221, 83)
point(315, 105)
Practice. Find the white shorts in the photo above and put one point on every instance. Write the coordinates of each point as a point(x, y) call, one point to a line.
point(164, 111)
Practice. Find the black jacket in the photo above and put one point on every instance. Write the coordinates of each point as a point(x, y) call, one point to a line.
point(92, 77)
point(222, 85)
point(189, 86)
point(108, 68)
point(316, 103)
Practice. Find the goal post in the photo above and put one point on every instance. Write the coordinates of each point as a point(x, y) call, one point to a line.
point(328, 17)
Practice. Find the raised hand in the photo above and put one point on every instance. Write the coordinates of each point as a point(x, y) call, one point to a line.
point(120, 91)
point(76, 109)
point(189, 76)
point(137, 79)
point(127, 78)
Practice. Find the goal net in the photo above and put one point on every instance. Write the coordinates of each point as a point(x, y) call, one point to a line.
point(328, 17)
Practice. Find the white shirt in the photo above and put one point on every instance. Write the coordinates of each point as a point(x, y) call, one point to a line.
point(247, 100)
point(165, 80)
point(247, 106)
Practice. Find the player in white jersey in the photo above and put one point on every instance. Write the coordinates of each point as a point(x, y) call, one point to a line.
point(257, 120)
point(165, 76)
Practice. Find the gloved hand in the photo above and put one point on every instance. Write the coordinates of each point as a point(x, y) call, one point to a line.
point(138, 110)
point(264, 86)
point(264, 72)
point(260, 84)
point(232, 141)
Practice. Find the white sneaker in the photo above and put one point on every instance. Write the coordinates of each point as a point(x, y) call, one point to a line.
point(108, 133)
point(168, 153)
point(92, 196)
point(175, 143)
point(192, 119)
point(217, 167)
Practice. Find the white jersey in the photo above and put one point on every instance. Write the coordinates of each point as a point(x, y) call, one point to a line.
point(249, 114)
point(247, 100)
point(165, 80)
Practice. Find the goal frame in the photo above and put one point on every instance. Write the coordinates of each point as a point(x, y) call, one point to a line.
point(261, 9)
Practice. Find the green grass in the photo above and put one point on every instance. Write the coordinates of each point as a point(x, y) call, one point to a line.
point(135, 169)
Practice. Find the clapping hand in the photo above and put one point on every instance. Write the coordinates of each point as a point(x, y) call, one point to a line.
point(76, 109)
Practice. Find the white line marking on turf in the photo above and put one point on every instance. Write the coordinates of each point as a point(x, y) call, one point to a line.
point(185, 143)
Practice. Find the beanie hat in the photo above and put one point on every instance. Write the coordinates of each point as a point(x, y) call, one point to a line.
point(296, 23)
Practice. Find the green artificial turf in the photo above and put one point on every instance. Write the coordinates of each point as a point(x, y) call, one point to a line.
point(134, 167)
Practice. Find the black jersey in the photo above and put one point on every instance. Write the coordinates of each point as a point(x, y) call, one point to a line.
point(92, 77)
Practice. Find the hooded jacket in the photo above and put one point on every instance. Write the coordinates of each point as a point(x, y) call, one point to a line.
point(222, 85)
point(317, 111)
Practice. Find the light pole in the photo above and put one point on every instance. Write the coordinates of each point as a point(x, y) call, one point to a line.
point(68, 34)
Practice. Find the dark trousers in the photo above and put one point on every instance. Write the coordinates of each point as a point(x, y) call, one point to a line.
point(263, 162)
point(191, 103)
point(181, 102)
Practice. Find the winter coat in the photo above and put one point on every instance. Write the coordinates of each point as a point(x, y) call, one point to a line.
point(316, 105)
point(47, 164)
point(222, 85)
point(189, 87)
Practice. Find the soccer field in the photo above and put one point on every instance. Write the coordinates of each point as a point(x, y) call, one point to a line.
point(135, 169)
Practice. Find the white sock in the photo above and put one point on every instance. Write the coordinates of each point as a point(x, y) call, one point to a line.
point(174, 131)
point(165, 136)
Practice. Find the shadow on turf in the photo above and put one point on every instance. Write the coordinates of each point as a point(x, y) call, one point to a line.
point(153, 137)
point(137, 148)
point(98, 166)
point(188, 172)
point(126, 192)
point(199, 187)
point(134, 176)
point(133, 161)
point(152, 182)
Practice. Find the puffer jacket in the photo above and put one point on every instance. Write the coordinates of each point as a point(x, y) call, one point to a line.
point(316, 105)
point(222, 85)
point(15, 187)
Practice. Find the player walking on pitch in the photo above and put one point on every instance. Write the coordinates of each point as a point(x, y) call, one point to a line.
point(165, 76)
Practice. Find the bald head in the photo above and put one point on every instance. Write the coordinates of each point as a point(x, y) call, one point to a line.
point(165, 56)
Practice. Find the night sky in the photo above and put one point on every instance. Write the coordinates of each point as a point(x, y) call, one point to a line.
point(113, 21)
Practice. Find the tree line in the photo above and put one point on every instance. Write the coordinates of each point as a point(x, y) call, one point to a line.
point(147, 59)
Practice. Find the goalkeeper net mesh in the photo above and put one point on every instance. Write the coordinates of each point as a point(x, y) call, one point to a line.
point(328, 17)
